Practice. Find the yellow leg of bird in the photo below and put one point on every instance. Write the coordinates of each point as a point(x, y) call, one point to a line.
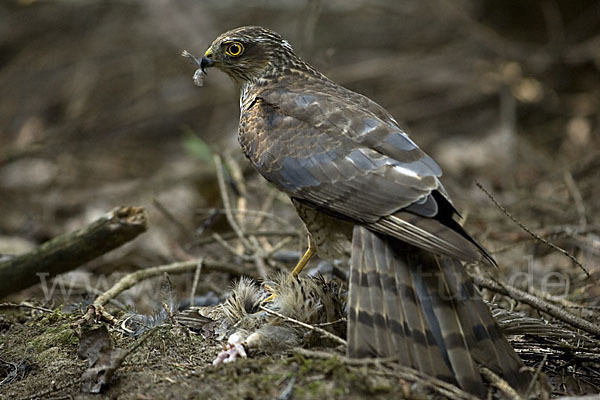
point(297, 269)
point(305, 259)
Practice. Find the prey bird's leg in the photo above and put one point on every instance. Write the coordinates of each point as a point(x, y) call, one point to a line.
point(305, 258)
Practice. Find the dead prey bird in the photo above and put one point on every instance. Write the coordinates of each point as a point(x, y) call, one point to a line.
point(314, 301)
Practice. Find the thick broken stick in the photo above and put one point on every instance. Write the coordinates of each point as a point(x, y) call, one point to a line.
point(68, 251)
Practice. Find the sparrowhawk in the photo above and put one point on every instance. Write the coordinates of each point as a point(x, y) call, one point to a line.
point(354, 175)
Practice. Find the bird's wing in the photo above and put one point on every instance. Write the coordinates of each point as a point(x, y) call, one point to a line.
point(342, 158)
point(340, 112)
point(317, 162)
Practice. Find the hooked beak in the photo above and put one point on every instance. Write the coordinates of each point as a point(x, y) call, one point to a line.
point(207, 61)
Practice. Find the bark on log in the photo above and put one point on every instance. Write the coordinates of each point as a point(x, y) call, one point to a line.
point(68, 251)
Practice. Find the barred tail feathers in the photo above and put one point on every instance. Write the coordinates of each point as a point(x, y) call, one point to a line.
point(424, 309)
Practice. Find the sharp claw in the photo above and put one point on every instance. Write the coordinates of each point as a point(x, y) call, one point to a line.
point(270, 298)
point(272, 295)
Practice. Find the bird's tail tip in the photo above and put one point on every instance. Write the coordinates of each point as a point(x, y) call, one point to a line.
point(424, 309)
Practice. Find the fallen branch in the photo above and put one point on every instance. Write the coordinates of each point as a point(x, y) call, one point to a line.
point(68, 251)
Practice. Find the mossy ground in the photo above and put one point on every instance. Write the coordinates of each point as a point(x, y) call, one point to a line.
point(172, 363)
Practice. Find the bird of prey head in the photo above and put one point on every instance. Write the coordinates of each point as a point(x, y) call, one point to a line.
point(248, 53)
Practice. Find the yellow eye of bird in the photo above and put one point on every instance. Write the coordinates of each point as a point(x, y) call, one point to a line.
point(234, 49)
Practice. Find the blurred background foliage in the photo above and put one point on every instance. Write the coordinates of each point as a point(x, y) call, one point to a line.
point(98, 109)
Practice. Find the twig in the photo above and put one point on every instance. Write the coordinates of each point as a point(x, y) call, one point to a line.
point(23, 305)
point(231, 235)
point(259, 251)
point(89, 290)
point(279, 246)
point(170, 217)
point(257, 213)
point(308, 24)
point(305, 325)
point(17, 152)
point(259, 261)
point(219, 239)
point(499, 384)
point(481, 32)
point(324, 355)
point(556, 299)
point(523, 242)
point(196, 279)
point(227, 204)
point(337, 321)
point(580, 307)
point(288, 391)
point(267, 205)
point(71, 250)
point(238, 178)
point(537, 303)
point(250, 243)
point(555, 28)
point(536, 236)
point(577, 198)
point(235, 172)
point(130, 280)
point(259, 257)
point(570, 231)
point(535, 376)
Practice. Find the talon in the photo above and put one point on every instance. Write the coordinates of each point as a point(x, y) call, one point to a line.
point(310, 251)
point(270, 298)
point(269, 289)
